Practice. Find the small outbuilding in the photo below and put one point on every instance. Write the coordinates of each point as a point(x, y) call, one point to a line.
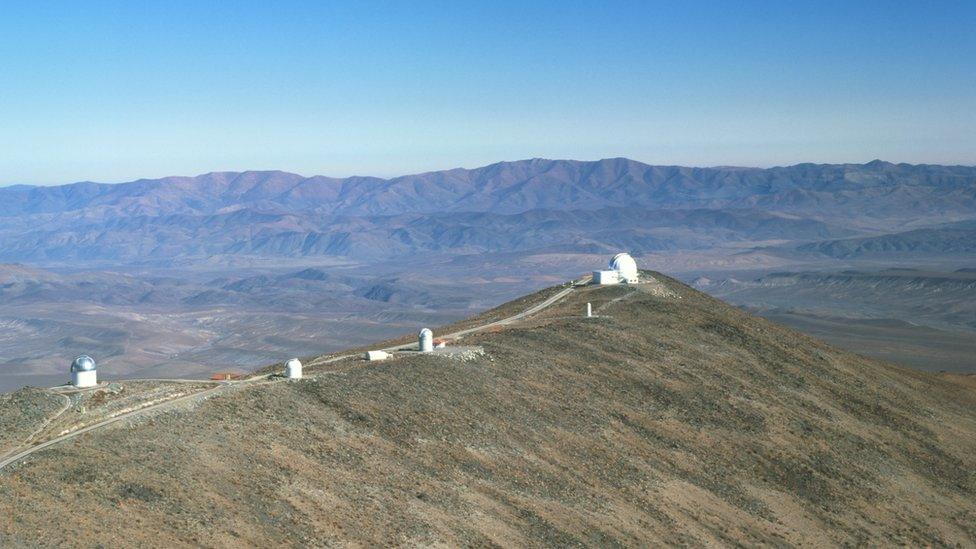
point(226, 376)
point(605, 277)
point(376, 355)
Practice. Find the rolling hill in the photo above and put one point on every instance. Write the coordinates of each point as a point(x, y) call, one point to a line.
point(670, 418)
point(948, 240)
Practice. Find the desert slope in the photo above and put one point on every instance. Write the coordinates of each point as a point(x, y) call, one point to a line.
point(670, 418)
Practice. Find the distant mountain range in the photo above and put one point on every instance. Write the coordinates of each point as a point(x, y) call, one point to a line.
point(525, 205)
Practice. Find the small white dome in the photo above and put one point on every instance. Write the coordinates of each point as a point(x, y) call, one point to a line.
point(625, 265)
point(293, 369)
point(425, 341)
point(83, 363)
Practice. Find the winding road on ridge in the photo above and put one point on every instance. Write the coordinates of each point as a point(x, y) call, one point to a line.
point(20, 453)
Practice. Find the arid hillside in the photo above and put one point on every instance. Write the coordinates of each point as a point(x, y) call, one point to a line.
point(670, 417)
point(166, 278)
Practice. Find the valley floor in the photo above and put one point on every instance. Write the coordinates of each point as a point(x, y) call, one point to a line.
point(920, 347)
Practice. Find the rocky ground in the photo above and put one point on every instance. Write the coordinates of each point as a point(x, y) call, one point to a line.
point(670, 418)
point(23, 412)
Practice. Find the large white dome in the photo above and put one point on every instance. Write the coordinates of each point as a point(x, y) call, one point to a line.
point(625, 265)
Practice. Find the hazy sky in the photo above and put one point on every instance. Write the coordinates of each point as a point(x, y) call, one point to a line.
point(112, 91)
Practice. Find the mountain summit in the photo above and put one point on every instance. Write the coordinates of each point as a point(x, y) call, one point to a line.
point(668, 418)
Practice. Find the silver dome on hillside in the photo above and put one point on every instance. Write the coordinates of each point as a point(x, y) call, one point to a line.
point(83, 363)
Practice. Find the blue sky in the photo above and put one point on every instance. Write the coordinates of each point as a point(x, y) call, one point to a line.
point(112, 91)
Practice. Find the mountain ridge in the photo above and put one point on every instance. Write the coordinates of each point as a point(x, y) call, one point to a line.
point(873, 163)
point(670, 418)
point(604, 175)
point(274, 213)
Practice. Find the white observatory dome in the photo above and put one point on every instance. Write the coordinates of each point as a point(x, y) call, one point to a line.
point(293, 369)
point(83, 363)
point(83, 372)
point(425, 341)
point(625, 266)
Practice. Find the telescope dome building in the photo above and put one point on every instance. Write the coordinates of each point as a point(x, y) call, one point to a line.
point(623, 269)
point(83, 373)
point(625, 266)
point(293, 369)
point(425, 341)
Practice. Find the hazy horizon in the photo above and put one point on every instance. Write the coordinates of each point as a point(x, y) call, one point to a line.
point(472, 167)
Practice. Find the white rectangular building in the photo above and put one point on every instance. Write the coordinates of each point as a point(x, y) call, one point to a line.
point(606, 277)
